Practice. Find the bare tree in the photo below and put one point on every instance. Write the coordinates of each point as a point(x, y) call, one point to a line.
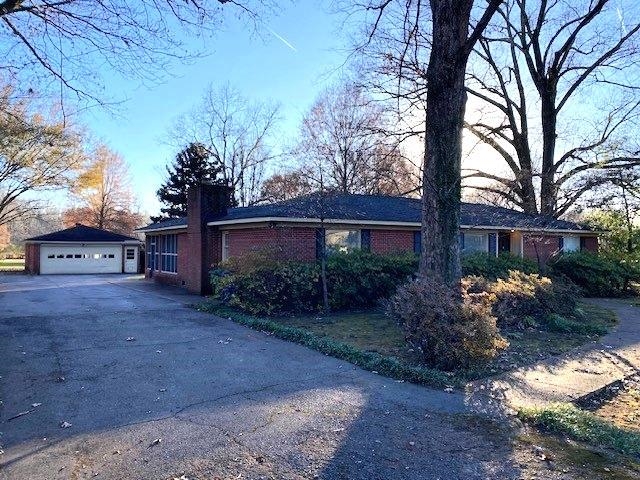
point(103, 194)
point(285, 186)
point(346, 136)
point(61, 45)
point(237, 133)
point(37, 153)
point(557, 87)
point(430, 45)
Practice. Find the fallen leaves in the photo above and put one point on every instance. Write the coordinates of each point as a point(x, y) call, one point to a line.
point(65, 425)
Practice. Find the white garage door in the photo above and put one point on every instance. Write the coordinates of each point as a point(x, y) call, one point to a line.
point(70, 258)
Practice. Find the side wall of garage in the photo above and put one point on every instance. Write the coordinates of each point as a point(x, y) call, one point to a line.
point(32, 258)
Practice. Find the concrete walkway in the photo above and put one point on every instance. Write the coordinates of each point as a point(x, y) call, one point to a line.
point(568, 377)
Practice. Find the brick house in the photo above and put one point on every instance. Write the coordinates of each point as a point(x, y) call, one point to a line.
point(182, 251)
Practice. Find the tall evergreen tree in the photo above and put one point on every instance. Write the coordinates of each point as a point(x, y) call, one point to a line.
point(193, 165)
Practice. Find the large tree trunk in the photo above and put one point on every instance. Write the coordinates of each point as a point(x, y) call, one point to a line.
point(549, 118)
point(446, 99)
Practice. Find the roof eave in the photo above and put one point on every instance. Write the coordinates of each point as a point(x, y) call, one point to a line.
point(161, 229)
point(240, 221)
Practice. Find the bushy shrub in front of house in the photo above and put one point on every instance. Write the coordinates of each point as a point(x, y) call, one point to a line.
point(270, 289)
point(360, 279)
point(597, 275)
point(522, 300)
point(481, 264)
point(266, 287)
point(450, 327)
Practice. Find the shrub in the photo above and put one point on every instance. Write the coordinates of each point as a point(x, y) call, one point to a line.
point(489, 266)
point(450, 327)
point(268, 290)
point(596, 275)
point(263, 286)
point(360, 279)
point(521, 297)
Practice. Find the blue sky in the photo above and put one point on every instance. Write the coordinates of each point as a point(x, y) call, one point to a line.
point(290, 71)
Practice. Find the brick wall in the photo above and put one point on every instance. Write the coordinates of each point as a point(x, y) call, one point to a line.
point(391, 241)
point(282, 243)
point(32, 258)
point(540, 248)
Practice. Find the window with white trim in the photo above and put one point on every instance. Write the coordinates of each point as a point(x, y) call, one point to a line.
point(152, 250)
point(169, 254)
point(342, 241)
point(225, 246)
point(571, 243)
point(475, 242)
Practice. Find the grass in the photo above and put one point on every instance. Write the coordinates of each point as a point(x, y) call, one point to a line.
point(374, 342)
point(567, 419)
point(622, 409)
point(367, 359)
point(11, 264)
point(579, 459)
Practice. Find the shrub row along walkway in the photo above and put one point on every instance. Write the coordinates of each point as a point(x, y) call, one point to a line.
point(568, 377)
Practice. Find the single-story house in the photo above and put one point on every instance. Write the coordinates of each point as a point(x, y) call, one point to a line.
point(82, 249)
point(181, 251)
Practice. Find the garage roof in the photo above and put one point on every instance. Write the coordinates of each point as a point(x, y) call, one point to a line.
point(83, 234)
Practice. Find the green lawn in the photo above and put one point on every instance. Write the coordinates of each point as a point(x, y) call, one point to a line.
point(374, 332)
point(11, 264)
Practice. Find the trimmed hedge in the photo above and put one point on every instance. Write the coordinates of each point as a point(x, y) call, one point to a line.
point(355, 281)
point(482, 264)
point(596, 275)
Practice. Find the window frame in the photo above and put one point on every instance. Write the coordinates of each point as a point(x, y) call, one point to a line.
point(472, 234)
point(342, 248)
point(572, 241)
point(169, 254)
point(224, 246)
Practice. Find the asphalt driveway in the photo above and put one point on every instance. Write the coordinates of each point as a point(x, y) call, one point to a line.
point(155, 390)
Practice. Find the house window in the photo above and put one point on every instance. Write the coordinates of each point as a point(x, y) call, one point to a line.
point(571, 243)
point(131, 254)
point(225, 246)
point(342, 241)
point(151, 252)
point(475, 242)
point(169, 254)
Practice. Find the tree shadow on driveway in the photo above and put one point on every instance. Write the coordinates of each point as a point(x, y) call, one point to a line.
point(126, 368)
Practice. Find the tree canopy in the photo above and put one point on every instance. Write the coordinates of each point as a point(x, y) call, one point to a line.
point(193, 165)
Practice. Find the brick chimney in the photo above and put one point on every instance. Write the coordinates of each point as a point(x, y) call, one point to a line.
point(204, 203)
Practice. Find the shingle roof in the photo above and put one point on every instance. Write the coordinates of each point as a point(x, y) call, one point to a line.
point(169, 223)
point(82, 234)
point(381, 208)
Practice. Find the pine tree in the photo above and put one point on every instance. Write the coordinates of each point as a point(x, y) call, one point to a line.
point(192, 166)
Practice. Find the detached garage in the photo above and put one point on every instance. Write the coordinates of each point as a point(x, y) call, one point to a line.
point(82, 249)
